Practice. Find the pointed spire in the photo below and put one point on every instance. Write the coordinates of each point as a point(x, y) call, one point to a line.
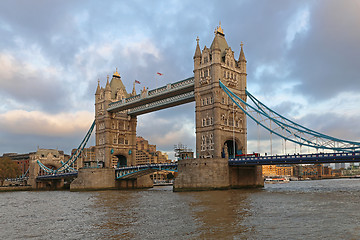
point(98, 88)
point(215, 43)
point(107, 87)
point(242, 55)
point(197, 51)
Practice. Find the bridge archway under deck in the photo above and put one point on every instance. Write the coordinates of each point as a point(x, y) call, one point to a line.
point(142, 170)
point(121, 161)
point(231, 148)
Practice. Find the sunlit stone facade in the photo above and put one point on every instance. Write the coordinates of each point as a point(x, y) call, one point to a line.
point(220, 126)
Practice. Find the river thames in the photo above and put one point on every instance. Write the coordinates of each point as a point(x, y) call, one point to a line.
point(325, 209)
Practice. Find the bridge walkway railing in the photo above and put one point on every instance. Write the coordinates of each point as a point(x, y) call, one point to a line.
point(297, 159)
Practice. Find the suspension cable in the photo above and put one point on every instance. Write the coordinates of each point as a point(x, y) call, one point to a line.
point(234, 130)
point(66, 165)
point(286, 127)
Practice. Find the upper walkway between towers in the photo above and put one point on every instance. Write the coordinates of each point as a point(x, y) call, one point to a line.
point(170, 95)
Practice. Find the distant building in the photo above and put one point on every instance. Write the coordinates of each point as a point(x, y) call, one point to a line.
point(182, 152)
point(86, 158)
point(269, 170)
point(313, 171)
point(284, 170)
point(22, 160)
point(146, 153)
point(277, 170)
point(162, 176)
point(339, 165)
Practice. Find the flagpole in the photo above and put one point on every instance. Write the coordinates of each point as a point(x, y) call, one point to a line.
point(138, 82)
point(159, 75)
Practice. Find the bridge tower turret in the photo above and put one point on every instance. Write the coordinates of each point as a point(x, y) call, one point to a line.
point(220, 127)
point(115, 132)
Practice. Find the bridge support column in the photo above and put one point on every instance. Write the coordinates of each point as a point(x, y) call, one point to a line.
point(33, 173)
point(55, 184)
point(94, 179)
point(202, 174)
point(215, 173)
point(104, 179)
point(140, 182)
point(245, 176)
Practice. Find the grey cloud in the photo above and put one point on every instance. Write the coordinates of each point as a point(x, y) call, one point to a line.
point(20, 143)
point(335, 125)
point(34, 90)
point(63, 29)
point(326, 61)
point(179, 122)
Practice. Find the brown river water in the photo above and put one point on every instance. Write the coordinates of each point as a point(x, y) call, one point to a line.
point(325, 209)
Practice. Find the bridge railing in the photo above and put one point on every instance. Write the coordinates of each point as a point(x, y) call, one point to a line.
point(183, 83)
point(132, 170)
point(158, 90)
point(58, 175)
point(353, 156)
point(131, 99)
point(153, 165)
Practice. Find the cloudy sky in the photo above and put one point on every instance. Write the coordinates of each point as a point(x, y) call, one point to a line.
point(303, 61)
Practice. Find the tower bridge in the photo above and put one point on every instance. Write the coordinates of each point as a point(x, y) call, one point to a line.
point(218, 88)
point(220, 128)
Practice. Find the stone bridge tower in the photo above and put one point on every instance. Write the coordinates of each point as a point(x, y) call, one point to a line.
point(220, 126)
point(115, 132)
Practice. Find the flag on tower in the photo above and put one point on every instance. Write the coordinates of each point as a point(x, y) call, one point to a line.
point(160, 74)
point(136, 81)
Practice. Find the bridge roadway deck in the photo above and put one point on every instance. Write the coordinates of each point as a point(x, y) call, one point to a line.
point(164, 97)
point(297, 159)
point(57, 176)
point(137, 171)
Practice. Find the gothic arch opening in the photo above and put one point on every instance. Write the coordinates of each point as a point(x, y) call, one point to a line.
point(122, 161)
point(232, 148)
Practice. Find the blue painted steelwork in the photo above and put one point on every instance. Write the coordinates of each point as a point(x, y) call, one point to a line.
point(295, 125)
point(297, 159)
point(70, 168)
point(66, 165)
point(26, 173)
point(57, 176)
point(287, 129)
point(137, 171)
point(25, 176)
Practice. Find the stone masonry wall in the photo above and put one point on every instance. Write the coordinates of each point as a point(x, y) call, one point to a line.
point(202, 174)
point(242, 177)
